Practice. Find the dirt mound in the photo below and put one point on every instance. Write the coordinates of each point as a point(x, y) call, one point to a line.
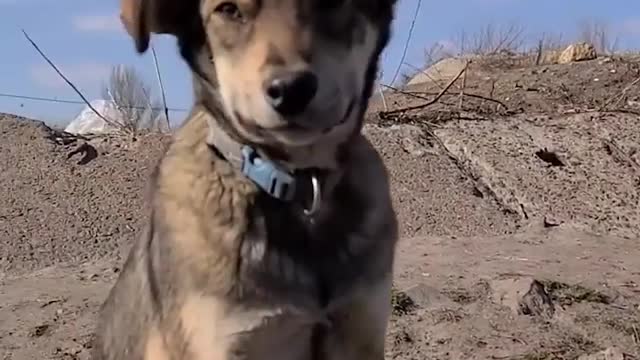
point(580, 168)
point(65, 206)
point(493, 90)
point(70, 206)
point(441, 200)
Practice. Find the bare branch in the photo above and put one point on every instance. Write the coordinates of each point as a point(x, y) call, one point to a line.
point(598, 34)
point(131, 95)
point(112, 123)
point(434, 100)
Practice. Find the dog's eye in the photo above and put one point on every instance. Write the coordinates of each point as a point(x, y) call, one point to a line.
point(230, 11)
point(330, 4)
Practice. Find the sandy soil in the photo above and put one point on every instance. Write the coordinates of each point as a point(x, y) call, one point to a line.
point(519, 212)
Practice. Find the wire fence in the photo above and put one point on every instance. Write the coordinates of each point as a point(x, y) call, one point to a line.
point(486, 40)
point(75, 102)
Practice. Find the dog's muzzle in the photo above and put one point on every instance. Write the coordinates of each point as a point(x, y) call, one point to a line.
point(290, 93)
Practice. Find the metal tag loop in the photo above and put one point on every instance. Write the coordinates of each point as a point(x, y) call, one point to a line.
point(316, 198)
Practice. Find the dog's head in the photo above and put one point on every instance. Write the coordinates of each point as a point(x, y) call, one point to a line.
point(287, 72)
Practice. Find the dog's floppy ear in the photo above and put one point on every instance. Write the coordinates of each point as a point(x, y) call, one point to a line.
point(141, 18)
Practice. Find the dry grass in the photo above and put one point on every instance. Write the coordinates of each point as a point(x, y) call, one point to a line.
point(491, 39)
point(568, 347)
point(511, 44)
point(568, 294)
point(132, 96)
point(599, 34)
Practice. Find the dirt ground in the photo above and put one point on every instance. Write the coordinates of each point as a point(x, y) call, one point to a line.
point(519, 205)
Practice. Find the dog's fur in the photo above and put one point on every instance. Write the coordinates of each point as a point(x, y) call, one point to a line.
point(223, 270)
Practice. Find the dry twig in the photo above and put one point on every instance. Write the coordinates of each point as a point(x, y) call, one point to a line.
point(164, 97)
point(620, 155)
point(476, 96)
point(462, 87)
point(384, 99)
point(407, 93)
point(425, 73)
point(617, 97)
point(112, 123)
point(432, 101)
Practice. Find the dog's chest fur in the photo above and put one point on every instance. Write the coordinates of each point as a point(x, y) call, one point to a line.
point(220, 236)
point(222, 268)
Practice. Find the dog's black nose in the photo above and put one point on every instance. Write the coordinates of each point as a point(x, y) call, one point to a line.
point(291, 93)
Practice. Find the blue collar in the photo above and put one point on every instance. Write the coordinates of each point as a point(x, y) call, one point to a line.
point(271, 178)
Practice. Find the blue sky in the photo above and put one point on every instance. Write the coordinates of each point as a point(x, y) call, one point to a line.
point(84, 38)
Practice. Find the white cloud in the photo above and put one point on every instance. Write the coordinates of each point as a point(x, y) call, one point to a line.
point(97, 23)
point(83, 75)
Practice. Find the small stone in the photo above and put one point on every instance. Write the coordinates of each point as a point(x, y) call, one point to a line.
point(551, 221)
point(39, 330)
point(605, 60)
point(413, 148)
point(524, 296)
point(428, 297)
point(578, 52)
point(401, 303)
point(611, 353)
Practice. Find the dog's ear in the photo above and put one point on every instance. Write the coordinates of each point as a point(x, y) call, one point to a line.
point(141, 18)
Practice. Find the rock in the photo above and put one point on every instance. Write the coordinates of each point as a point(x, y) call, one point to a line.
point(39, 330)
point(633, 103)
point(442, 71)
point(413, 147)
point(550, 220)
point(606, 60)
point(611, 353)
point(401, 303)
point(524, 296)
point(428, 297)
point(577, 52)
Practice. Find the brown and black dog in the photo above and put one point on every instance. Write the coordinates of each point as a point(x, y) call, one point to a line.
point(272, 234)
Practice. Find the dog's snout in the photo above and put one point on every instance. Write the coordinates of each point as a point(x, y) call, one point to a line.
point(290, 93)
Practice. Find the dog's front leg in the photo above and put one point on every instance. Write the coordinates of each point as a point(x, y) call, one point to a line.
point(358, 329)
point(219, 329)
point(210, 329)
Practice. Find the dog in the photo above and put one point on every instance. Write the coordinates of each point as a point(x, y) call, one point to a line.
point(272, 232)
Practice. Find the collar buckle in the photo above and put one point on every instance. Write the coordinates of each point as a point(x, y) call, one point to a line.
point(272, 179)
